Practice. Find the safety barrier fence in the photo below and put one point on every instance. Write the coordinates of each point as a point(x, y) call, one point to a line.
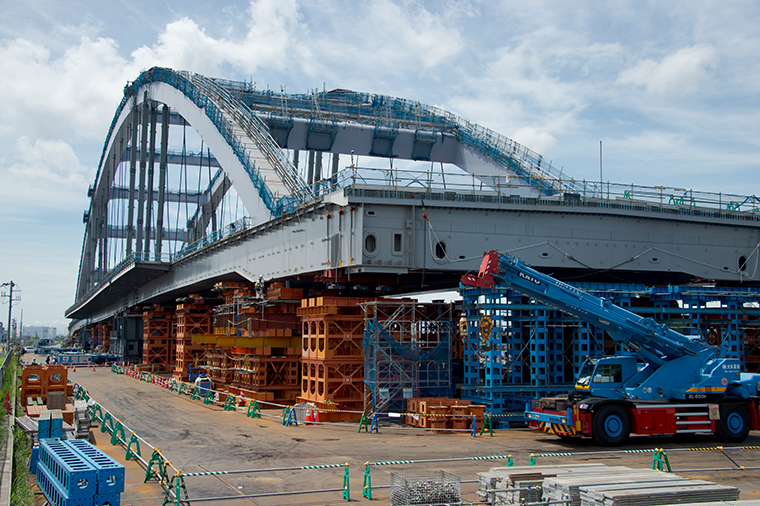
point(157, 467)
point(303, 415)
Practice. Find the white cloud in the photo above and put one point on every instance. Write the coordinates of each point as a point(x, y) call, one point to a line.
point(539, 141)
point(270, 41)
point(380, 46)
point(50, 164)
point(71, 96)
point(679, 72)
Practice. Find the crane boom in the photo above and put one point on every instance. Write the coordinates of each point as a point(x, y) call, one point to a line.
point(653, 342)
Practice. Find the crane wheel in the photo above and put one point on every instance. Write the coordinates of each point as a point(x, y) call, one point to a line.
point(733, 426)
point(611, 425)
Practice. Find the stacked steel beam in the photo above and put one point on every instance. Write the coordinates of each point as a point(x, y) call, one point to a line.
point(256, 342)
point(267, 351)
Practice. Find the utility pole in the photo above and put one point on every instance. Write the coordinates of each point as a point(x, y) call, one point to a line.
point(11, 300)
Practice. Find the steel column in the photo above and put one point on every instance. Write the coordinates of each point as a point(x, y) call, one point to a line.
point(143, 163)
point(310, 173)
point(162, 180)
point(151, 168)
point(132, 170)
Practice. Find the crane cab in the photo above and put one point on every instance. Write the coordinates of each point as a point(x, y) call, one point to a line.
point(605, 376)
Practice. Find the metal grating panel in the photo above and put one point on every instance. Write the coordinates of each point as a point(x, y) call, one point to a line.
point(75, 475)
point(110, 473)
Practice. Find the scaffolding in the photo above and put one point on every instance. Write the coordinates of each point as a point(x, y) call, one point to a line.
point(407, 353)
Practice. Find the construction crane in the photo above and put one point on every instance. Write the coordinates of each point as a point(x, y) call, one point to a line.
point(666, 382)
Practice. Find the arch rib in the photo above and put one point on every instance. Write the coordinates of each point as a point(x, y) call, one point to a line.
point(234, 124)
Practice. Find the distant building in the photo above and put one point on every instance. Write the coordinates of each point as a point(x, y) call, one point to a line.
point(40, 332)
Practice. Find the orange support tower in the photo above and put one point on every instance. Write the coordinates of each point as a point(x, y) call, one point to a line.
point(159, 348)
point(194, 316)
point(101, 336)
point(105, 336)
point(332, 364)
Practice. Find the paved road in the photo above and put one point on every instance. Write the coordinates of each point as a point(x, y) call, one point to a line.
point(197, 437)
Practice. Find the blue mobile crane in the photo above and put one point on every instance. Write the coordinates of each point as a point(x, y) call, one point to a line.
point(666, 383)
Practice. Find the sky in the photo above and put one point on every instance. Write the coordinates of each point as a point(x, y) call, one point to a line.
point(671, 90)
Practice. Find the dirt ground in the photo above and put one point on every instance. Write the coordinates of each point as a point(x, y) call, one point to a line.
point(197, 437)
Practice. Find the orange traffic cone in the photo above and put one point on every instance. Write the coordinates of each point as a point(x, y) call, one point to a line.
point(309, 417)
point(74, 369)
point(316, 416)
point(93, 368)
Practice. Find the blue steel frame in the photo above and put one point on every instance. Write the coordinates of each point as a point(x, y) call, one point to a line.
point(532, 347)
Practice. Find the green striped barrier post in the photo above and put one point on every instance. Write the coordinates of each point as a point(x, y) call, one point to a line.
point(532, 461)
point(151, 472)
point(229, 403)
point(176, 485)
point(104, 425)
point(510, 462)
point(659, 458)
point(209, 397)
point(96, 413)
point(363, 423)
point(136, 442)
point(118, 429)
point(254, 410)
point(173, 386)
point(346, 490)
point(285, 415)
point(81, 394)
point(292, 418)
point(367, 486)
point(196, 394)
point(183, 388)
point(487, 425)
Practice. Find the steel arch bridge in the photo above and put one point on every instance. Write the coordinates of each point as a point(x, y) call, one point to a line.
point(418, 194)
